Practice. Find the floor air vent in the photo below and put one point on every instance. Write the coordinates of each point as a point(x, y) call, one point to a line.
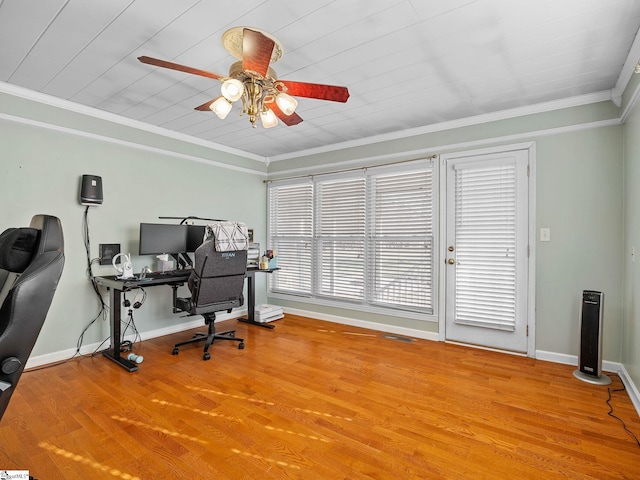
point(400, 339)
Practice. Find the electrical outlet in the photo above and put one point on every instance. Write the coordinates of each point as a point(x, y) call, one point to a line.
point(107, 251)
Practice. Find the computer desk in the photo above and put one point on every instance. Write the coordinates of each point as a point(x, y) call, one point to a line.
point(116, 286)
point(251, 293)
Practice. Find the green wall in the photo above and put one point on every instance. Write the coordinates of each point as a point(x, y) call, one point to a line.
point(579, 196)
point(41, 169)
point(631, 327)
point(579, 191)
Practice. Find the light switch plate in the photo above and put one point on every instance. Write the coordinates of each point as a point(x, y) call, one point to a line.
point(545, 234)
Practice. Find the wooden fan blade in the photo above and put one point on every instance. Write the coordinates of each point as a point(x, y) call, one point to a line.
point(205, 106)
point(316, 90)
point(256, 51)
point(182, 68)
point(288, 120)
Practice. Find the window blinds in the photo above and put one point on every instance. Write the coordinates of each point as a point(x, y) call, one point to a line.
point(486, 245)
point(364, 237)
point(291, 233)
point(340, 238)
point(401, 239)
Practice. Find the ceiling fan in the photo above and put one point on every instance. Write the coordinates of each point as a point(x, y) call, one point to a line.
point(253, 81)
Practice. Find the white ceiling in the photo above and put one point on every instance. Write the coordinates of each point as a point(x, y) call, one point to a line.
point(407, 63)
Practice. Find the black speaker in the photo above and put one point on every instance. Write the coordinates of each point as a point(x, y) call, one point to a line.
point(590, 357)
point(91, 190)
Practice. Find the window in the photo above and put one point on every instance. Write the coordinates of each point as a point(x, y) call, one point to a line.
point(291, 235)
point(340, 207)
point(359, 238)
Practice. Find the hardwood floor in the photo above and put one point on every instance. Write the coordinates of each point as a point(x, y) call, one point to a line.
point(316, 400)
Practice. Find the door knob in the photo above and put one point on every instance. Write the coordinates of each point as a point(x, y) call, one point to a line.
point(451, 261)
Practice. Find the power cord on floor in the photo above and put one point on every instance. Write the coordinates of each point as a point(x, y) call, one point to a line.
point(610, 412)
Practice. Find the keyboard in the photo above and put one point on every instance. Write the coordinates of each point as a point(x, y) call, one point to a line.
point(169, 274)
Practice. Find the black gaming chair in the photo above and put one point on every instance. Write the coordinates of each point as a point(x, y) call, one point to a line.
point(216, 284)
point(31, 262)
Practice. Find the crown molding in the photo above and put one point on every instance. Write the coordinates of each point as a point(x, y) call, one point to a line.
point(120, 120)
point(631, 104)
point(436, 150)
point(126, 143)
point(46, 99)
point(626, 72)
point(463, 122)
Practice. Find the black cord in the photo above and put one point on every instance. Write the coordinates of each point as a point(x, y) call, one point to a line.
point(87, 246)
point(103, 313)
point(610, 412)
point(131, 323)
point(104, 308)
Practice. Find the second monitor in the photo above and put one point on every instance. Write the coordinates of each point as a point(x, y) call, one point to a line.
point(195, 236)
point(160, 238)
point(166, 238)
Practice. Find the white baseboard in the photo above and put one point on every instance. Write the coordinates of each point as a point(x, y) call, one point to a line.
point(565, 359)
point(409, 332)
point(160, 332)
point(632, 390)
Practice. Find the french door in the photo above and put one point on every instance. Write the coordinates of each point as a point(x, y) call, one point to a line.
point(486, 261)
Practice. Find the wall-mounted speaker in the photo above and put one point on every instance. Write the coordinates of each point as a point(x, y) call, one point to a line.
point(590, 357)
point(91, 190)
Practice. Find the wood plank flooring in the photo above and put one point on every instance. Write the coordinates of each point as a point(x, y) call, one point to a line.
point(316, 400)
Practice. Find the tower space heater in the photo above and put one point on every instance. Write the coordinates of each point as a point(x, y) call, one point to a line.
point(590, 358)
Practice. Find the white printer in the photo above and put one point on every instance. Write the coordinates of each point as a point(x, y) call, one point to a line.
point(265, 313)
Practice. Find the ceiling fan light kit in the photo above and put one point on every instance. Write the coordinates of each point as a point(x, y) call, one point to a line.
point(286, 103)
point(255, 83)
point(232, 89)
point(268, 118)
point(221, 107)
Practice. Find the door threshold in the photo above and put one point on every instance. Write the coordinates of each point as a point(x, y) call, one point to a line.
point(490, 349)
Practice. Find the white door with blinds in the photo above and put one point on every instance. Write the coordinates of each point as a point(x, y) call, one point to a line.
point(486, 250)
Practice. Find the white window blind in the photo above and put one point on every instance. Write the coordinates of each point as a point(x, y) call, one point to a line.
point(340, 238)
point(486, 246)
point(363, 238)
point(401, 257)
point(291, 234)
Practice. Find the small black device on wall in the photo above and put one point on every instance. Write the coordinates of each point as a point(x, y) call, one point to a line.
point(590, 358)
point(107, 251)
point(91, 190)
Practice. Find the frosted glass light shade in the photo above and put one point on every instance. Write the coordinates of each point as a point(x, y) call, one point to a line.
point(221, 107)
point(232, 89)
point(286, 103)
point(268, 118)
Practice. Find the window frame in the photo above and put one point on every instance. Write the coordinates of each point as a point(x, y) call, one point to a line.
point(366, 304)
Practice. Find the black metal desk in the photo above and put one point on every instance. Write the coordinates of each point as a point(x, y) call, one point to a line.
point(251, 303)
point(117, 286)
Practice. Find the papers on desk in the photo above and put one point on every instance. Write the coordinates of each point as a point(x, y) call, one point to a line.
point(268, 313)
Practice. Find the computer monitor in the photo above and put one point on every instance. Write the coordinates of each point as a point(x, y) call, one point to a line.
point(195, 235)
point(159, 238)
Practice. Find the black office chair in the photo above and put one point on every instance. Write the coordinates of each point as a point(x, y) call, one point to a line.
point(216, 284)
point(31, 259)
